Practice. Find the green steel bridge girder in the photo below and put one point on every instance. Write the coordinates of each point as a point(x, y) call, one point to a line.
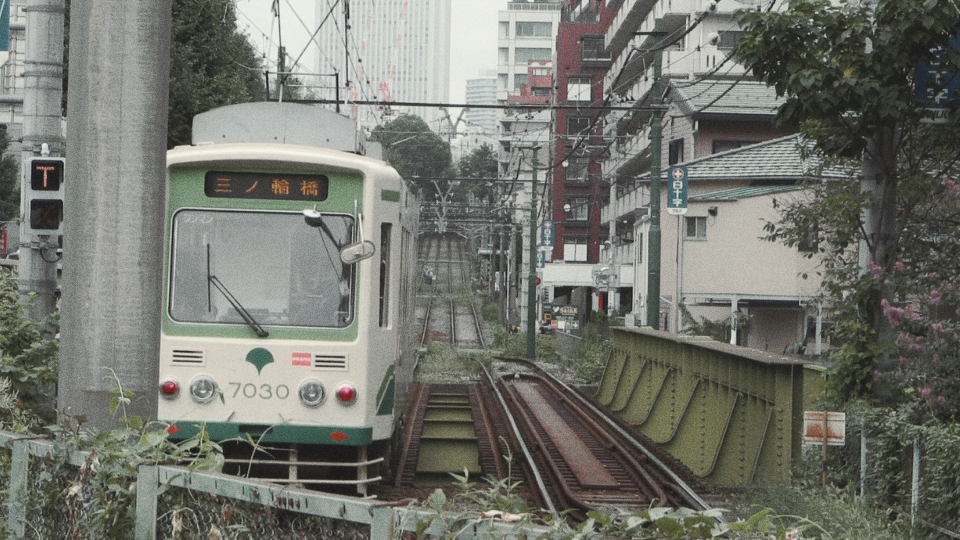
point(732, 415)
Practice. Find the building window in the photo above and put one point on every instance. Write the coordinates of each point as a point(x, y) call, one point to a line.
point(676, 151)
point(577, 171)
point(519, 80)
point(809, 242)
point(638, 248)
point(579, 209)
point(696, 228)
point(721, 145)
point(577, 124)
point(523, 55)
point(729, 39)
point(534, 29)
point(579, 88)
point(574, 249)
point(592, 48)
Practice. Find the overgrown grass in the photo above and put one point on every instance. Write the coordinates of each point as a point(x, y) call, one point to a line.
point(838, 513)
point(441, 364)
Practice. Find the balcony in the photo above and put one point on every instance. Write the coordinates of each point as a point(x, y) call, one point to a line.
point(631, 206)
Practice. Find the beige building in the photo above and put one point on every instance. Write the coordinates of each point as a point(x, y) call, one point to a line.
point(715, 257)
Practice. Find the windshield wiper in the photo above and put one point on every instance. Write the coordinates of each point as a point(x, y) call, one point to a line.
point(247, 318)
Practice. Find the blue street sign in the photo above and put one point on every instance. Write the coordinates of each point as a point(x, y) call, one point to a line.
point(936, 89)
point(546, 233)
point(4, 25)
point(679, 189)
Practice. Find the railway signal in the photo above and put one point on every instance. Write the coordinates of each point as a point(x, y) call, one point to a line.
point(43, 195)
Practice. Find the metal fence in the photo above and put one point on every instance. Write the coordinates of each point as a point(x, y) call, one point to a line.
point(48, 495)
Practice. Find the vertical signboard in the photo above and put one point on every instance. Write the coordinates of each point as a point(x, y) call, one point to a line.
point(4, 25)
point(935, 89)
point(546, 234)
point(677, 194)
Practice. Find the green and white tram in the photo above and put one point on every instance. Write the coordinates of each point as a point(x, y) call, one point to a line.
point(289, 294)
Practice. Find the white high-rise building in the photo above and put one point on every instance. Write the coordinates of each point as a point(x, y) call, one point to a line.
point(391, 50)
point(482, 92)
point(527, 31)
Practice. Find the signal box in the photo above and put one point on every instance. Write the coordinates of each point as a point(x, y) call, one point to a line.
point(43, 196)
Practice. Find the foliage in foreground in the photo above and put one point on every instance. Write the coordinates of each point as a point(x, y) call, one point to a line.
point(99, 497)
point(28, 362)
point(493, 510)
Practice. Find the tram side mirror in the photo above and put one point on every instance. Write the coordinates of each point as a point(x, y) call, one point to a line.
point(355, 253)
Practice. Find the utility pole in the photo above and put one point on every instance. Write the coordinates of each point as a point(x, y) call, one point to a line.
point(112, 275)
point(656, 136)
point(42, 97)
point(532, 265)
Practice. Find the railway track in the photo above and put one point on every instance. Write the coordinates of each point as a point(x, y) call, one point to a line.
point(454, 320)
point(572, 458)
point(582, 461)
point(451, 430)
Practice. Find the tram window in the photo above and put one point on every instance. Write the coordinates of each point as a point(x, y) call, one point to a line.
point(385, 231)
point(278, 270)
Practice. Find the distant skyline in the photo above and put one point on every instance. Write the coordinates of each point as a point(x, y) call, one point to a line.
point(473, 34)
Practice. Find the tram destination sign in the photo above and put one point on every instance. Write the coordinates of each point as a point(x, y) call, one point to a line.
point(246, 185)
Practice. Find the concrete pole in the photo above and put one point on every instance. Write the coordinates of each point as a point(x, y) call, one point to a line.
point(42, 96)
point(117, 127)
point(656, 137)
point(532, 264)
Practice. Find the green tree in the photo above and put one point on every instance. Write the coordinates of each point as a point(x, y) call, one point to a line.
point(419, 155)
point(211, 64)
point(9, 180)
point(848, 73)
point(480, 164)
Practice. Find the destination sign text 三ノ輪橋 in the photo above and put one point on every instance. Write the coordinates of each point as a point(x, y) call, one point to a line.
point(292, 187)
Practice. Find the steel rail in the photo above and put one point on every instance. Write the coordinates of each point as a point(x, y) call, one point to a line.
point(532, 465)
point(550, 463)
point(426, 322)
point(685, 490)
point(476, 321)
point(650, 486)
point(453, 324)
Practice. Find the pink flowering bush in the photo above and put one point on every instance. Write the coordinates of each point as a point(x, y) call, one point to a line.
point(926, 377)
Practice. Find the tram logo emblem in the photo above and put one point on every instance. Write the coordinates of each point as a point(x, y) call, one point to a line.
point(259, 357)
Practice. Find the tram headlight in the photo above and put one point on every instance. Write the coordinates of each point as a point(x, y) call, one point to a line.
point(203, 388)
point(169, 388)
point(312, 392)
point(346, 393)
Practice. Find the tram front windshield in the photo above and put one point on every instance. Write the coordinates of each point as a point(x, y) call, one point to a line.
point(231, 267)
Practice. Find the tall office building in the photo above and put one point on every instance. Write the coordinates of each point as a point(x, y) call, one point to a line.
point(482, 91)
point(388, 50)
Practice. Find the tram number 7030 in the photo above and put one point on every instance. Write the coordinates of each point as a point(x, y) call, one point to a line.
point(263, 391)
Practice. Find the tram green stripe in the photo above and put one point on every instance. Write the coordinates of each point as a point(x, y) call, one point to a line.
point(330, 435)
point(389, 195)
point(385, 393)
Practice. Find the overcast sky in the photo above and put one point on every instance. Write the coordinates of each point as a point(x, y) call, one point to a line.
point(473, 34)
